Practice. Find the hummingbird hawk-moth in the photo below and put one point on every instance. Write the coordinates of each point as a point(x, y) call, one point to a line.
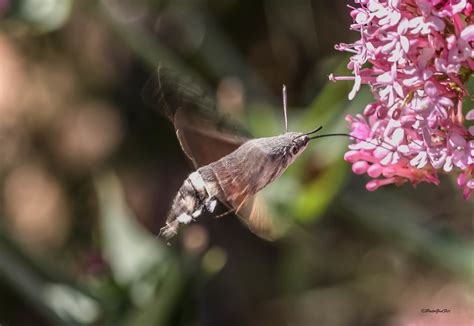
point(230, 168)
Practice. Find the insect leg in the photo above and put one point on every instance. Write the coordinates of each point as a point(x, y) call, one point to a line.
point(225, 213)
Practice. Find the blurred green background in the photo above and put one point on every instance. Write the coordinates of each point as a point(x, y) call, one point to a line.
point(88, 172)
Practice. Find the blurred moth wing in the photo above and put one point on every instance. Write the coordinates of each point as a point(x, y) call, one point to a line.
point(205, 135)
point(256, 214)
point(207, 138)
point(207, 149)
point(201, 141)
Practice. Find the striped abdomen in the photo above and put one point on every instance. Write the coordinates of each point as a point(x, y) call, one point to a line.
point(195, 195)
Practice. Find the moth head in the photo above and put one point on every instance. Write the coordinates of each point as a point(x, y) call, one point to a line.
point(286, 148)
point(297, 143)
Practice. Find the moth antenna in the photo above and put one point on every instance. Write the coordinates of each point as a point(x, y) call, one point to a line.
point(283, 90)
point(315, 130)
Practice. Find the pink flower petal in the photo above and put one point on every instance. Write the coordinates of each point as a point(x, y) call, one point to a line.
point(430, 89)
point(461, 180)
point(398, 89)
point(467, 33)
point(385, 78)
point(458, 6)
point(405, 43)
point(470, 115)
point(356, 88)
point(351, 156)
point(375, 170)
point(457, 140)
point(360, 167)
point(448, 164)
point(372, 185)
point(470, 184)
point(398, 136)
point(471, 130)
point(362, 17)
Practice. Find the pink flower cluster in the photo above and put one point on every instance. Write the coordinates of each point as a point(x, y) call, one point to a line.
point(416, 56)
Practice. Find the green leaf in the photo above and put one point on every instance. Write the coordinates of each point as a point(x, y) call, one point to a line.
point(315, 197)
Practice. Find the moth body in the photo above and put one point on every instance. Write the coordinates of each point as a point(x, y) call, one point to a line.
point(234, 178)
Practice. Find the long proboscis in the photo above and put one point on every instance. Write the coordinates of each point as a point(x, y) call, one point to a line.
point(350, 136)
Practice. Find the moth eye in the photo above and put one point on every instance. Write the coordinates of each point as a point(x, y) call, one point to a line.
point(294, 150)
